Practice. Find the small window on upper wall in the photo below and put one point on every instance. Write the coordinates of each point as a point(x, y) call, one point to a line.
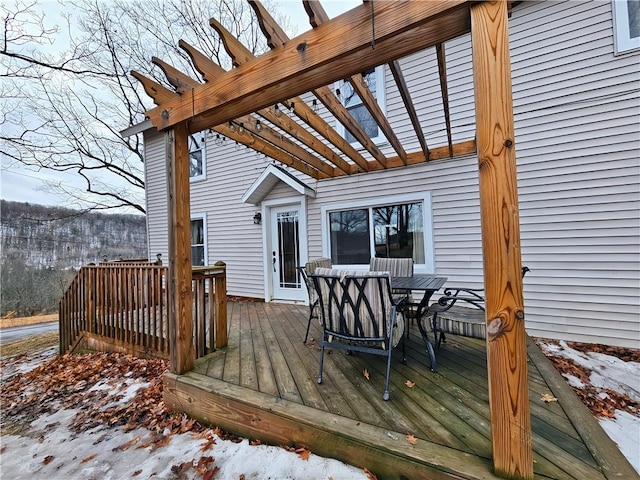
point(197, 160)
point(626, 25)
point(374, 80)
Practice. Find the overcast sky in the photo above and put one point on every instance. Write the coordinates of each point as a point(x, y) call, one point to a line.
point(17, 183)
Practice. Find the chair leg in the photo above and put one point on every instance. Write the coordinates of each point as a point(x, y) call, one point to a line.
point(311, 307)
point(321, 363)
point(385, 396)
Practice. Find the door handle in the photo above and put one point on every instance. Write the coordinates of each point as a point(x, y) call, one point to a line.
point(274, 262)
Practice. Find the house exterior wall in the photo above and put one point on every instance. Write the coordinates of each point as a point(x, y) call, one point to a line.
point(578, 155)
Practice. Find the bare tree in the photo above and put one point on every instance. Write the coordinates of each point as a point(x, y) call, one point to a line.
point(63, 111)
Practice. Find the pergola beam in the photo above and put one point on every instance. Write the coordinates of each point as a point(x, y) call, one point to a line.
point(319, 57)
point(276, 36)
point(444, 91)
point(359, 86)
point(396, 71)
point(285, 151)
point(284, 122)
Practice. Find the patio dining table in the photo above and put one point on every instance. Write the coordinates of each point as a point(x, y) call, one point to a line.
point(418, 309)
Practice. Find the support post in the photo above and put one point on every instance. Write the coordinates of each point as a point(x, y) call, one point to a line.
point(181, 349)
point(221, 306)
point(506, 336)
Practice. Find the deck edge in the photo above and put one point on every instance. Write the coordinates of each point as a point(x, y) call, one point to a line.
point(612, 462)
point(276, 421)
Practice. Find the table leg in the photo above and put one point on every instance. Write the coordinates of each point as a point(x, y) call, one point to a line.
point(430, 348)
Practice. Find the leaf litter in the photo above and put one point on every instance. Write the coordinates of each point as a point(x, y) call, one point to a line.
point(102, 416)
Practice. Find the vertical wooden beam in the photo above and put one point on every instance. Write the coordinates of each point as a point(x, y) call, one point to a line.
point(181, 352)
point(221, 307)
point(506, 337)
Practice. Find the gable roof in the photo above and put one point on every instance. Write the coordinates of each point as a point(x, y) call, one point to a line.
point(269, 179)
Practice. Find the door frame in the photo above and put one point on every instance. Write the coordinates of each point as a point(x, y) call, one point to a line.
point(299, 201)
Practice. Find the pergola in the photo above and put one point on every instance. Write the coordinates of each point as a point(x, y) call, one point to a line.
point(243, 104)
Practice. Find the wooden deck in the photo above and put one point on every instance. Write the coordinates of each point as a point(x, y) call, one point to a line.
point(263, 385)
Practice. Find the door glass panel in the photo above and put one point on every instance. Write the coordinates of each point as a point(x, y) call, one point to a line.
point(289, 254)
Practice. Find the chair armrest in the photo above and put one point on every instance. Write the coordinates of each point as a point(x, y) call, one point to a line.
point(452, 295)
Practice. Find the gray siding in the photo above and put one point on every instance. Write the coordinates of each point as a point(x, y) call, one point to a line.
point(156, 194)
point(578, 153)
point(577, 145)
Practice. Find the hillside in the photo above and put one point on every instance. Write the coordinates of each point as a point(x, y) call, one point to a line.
point(44, 236)
point(42, 247)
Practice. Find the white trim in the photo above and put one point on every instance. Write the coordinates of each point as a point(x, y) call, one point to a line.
point(382, 102)
point(267, 205)
point(203, 217)
point(268, 179)
point(424, 197)
point(622, 40)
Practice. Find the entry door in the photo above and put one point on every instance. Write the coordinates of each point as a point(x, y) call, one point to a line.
point(285, 253)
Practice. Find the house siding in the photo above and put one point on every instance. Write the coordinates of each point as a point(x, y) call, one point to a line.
point(156, 194)
point(578, 156)
point(578, 153)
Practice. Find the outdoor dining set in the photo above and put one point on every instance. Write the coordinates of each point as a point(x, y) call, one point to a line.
point(370, 311)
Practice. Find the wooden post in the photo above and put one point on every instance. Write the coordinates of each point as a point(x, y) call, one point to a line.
point(506, 337)
point(221, 306)
point(181, 352)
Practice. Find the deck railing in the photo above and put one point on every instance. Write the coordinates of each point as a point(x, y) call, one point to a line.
point(124, 306)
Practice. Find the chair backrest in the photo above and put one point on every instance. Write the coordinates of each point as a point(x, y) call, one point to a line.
point(310, 267)
point(356, 305)
point(397, 267)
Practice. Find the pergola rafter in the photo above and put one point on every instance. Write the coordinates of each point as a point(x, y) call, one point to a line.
point(341, 48)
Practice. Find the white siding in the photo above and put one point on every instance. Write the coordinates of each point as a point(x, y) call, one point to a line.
point(578, 153)
point(156, 194)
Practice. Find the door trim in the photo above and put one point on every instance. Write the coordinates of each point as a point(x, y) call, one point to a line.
point(299, 201)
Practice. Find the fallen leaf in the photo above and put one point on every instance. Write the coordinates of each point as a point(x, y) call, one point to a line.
point(48, 459)
point(409, 384)
point(209, 474)
point(370, 475)
point(365, 372)
point(411, 439)
point(89, 458)
point(303, 453)
point(136, 473)
point(125, 446)
point(547, 398)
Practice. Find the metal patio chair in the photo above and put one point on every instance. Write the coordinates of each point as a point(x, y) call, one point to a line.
point(359, 314)
point(308, 268)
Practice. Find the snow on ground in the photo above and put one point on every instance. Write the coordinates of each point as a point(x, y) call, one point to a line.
point(611, 373)
point(56, 452)
point(53, 447)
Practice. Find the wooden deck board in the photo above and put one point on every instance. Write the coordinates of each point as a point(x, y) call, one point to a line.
point(447, 411)
point(266, 379)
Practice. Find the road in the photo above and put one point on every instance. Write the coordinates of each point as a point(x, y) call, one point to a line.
point(12, 334)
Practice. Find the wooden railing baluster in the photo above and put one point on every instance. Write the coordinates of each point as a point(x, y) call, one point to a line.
point(123, 307)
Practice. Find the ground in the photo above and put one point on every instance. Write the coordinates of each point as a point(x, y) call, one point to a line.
point(102, 416)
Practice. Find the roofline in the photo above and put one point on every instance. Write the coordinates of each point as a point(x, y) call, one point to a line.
point(137, 128)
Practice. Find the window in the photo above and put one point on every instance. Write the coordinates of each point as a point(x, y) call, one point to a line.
point(399, 227)
point(197, 164)
point(352, 101)
point(626, 25)
point(198, 241)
